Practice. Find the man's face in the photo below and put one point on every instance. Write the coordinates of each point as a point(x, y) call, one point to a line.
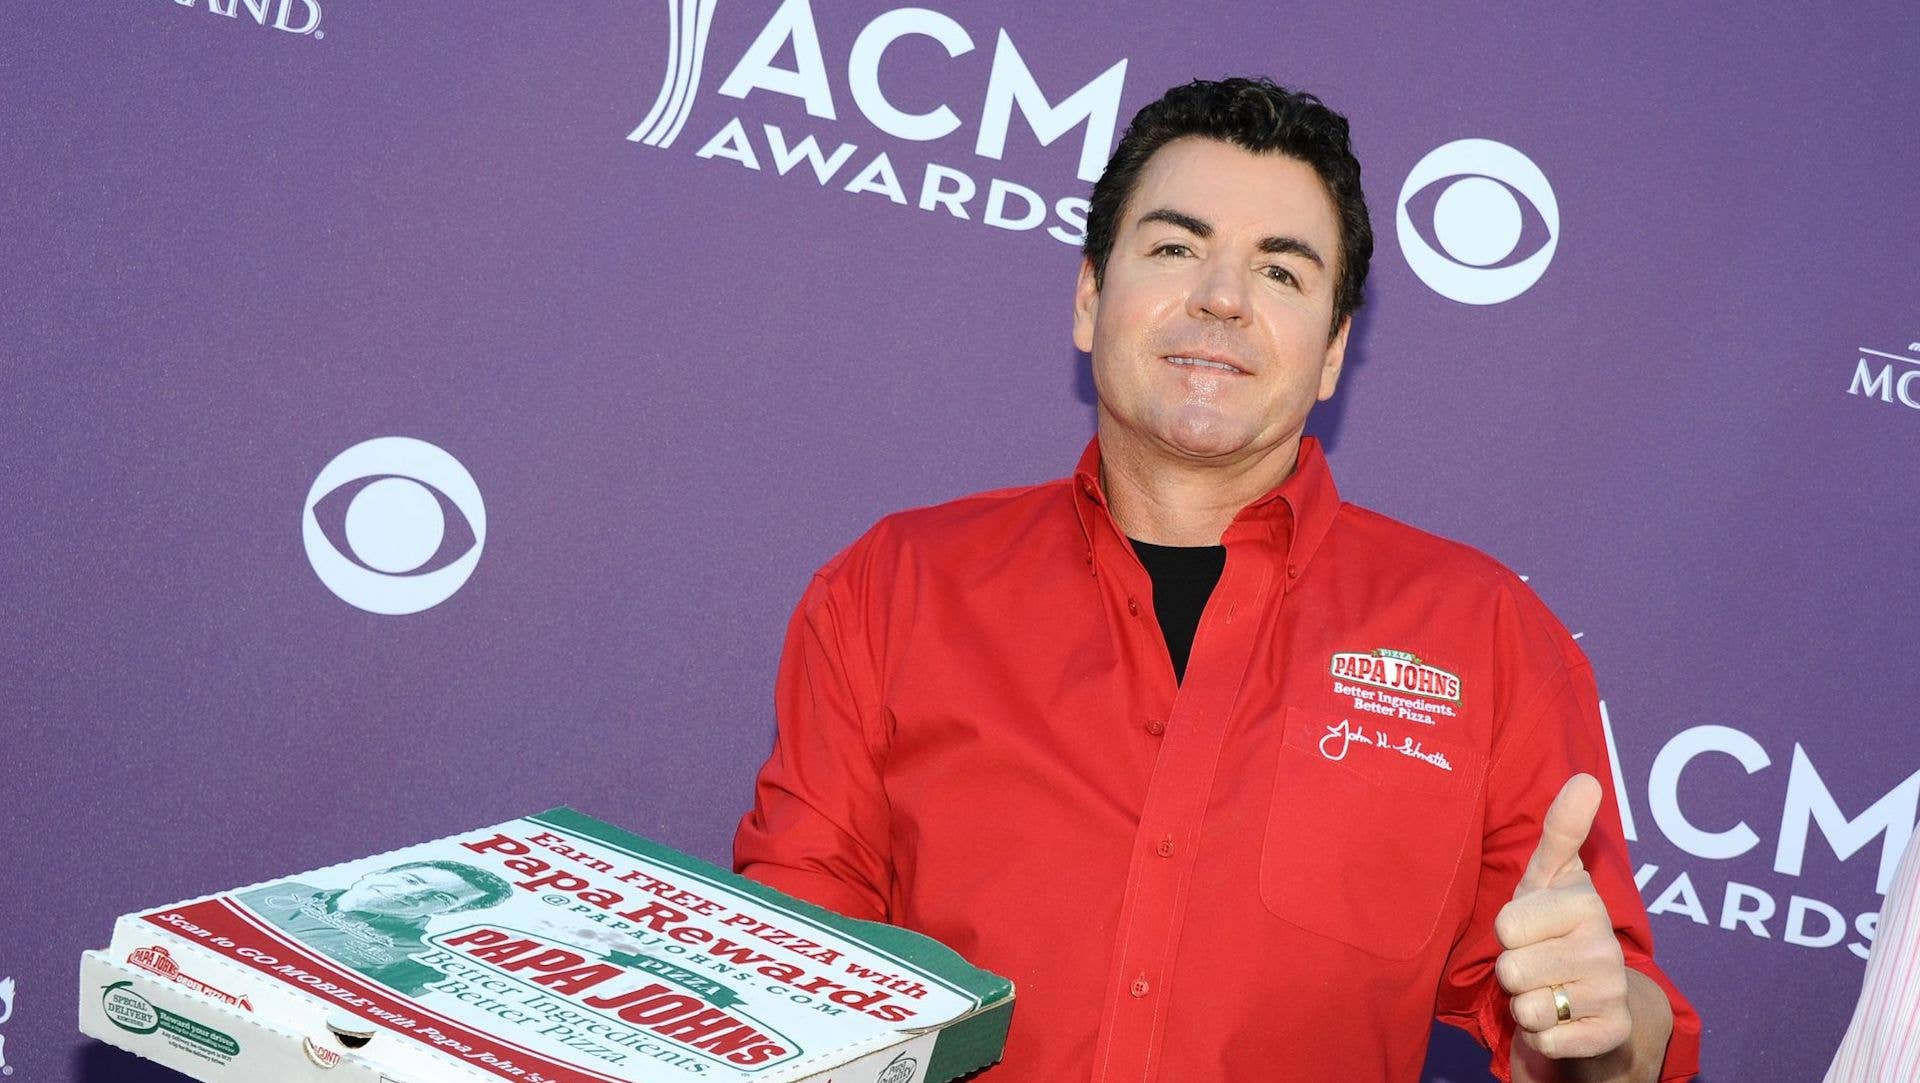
point(1209, 332)
point(408, 893)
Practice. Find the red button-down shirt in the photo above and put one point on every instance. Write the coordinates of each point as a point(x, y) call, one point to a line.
point(1281, 869)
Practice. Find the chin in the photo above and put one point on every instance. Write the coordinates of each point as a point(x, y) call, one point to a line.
point(1209, 441)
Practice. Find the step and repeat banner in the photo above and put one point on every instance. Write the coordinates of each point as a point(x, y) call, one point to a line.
point(419, 415)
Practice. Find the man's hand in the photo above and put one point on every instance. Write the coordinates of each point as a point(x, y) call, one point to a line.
point(1556, 932)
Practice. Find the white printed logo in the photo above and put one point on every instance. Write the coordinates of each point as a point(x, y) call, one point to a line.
point(688, 23)
point(1478, 221)
point(1875, 376)
point(394, 525)
point(6, 1013)
point(787, 59)
point(293, 16)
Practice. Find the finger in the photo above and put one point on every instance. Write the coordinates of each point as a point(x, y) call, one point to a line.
point(1537, 966)
point(1563, 832)
point(1587, 1035)
point(1539, 916)
point(1534, 1009)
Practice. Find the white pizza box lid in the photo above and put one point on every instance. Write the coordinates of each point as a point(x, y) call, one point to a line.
point(550, 949)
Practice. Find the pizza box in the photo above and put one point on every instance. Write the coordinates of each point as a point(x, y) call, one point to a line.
point(548, 949)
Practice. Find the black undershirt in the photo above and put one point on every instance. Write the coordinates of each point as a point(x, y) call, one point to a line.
point(1183, 578)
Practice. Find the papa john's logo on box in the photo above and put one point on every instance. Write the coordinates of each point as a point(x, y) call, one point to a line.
point(1397, 671)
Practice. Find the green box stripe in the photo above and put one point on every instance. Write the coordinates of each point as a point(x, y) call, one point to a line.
point(969, 1045)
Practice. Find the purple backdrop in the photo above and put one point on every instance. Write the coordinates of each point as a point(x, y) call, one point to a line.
point(238, 245)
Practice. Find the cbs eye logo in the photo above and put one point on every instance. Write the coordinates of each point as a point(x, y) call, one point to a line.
point(394, 525)
point(1478, 221)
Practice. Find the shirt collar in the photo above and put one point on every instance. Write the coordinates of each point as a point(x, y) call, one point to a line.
point(1294, 514)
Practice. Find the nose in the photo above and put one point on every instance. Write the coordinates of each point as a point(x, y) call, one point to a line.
point(1220, 292)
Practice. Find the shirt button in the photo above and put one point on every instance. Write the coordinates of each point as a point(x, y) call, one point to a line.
point(1156, 727)
point(1139, 988)
point(1293, 571)
point(1165, 849)
point(1133, 606)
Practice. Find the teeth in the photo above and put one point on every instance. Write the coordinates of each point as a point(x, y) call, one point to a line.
point(1203, 363)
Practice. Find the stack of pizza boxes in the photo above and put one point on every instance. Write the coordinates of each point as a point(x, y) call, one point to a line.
point(549, 949)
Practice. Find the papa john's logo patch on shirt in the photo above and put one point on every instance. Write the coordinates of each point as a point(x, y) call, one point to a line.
point(1396, 684)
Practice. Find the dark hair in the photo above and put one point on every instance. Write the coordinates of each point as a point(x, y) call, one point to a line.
point(1257, 115)
point(493, 890)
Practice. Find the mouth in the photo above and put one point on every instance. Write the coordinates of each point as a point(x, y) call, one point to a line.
point(1199, 361)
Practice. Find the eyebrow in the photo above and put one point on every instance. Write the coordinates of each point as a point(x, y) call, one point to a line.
point(1279, 246)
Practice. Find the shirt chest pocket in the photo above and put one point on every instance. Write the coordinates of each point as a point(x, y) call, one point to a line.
point(1367, 832)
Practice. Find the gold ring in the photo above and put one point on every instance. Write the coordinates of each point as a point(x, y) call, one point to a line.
point(1562, 1007)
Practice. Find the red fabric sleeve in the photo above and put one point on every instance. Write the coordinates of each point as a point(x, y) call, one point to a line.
point(818, 826)
point(1556, 734)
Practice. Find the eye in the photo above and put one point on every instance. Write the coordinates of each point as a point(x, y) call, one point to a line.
point(1280, 275)
point(1478, 221)
point(1172, 248)
point(393, 526)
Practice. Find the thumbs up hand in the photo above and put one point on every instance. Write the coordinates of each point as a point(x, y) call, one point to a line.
point(1559, 938)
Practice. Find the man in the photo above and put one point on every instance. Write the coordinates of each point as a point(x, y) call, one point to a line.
point(1236, 781)
point(374, 924)
point(1882, 1043)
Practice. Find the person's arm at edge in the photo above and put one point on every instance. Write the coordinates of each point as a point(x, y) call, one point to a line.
point(1879, 1042)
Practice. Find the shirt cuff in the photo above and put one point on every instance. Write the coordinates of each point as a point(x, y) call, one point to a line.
point(1497, 1027)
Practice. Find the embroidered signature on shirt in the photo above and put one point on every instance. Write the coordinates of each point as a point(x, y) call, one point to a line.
point(1343, 734)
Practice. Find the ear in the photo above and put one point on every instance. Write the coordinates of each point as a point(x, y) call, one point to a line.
point(1336, 357)
point(1086, 305)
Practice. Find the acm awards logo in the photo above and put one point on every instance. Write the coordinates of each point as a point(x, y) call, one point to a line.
point(394, 525)
point(1478, 221)
point(1049, 115)
point(1878, 374)
point(300, 17)
point(1809, 814)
